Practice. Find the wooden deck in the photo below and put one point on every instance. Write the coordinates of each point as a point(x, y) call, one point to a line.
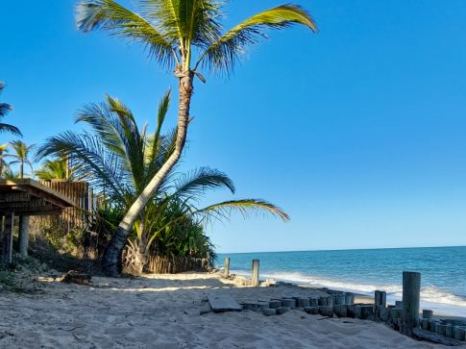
point(28, 197)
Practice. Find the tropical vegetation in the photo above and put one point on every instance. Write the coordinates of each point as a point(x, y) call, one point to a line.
point(5, 108)
point(120, 158)
point(184, 36)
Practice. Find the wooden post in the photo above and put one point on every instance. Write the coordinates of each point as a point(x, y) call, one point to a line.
point(23, 235)
point(226, 267)
point(380, 298)
point(411, 299)
point(255, 273)
point(7, 243)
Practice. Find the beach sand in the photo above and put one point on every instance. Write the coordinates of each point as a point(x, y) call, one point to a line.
point(163, 311)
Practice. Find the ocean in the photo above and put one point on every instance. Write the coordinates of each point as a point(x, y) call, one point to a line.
point(443, 272)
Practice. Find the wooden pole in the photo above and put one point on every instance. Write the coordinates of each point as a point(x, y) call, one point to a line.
point(7, 243)
point(23, 235)
point(255, 273)
point(380, 298)
point(226, 267)
point(411, 299)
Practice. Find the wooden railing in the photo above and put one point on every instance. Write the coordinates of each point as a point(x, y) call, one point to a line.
point(81, 194)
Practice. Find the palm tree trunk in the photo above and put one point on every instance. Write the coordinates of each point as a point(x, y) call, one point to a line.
point(111, 261)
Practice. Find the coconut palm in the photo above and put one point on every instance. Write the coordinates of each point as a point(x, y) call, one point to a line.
point(56, 169)
point(187, 36)
point(5, 109)
point(120, 159)
point(21, 155)
point(3, 156)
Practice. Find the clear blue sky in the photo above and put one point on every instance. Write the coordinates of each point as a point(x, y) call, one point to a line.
point(358, 132)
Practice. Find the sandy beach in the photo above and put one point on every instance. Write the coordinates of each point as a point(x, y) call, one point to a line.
point(163, 311)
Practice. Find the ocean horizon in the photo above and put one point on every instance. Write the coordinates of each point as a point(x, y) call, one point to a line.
point(443, 272)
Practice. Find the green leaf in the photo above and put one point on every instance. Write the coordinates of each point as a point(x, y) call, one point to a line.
point(223, 53)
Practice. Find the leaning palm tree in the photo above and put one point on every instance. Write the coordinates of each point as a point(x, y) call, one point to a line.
point(119, 158)
point(5, 109)
point(21, 155)
point(184, 35)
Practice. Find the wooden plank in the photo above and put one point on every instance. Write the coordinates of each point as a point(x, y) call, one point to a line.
point(222, 303)
point(435, 338)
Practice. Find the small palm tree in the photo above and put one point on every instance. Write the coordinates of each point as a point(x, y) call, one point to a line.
point(119, 159)
point(22, 153)
point(5, 109)
point(185, 35)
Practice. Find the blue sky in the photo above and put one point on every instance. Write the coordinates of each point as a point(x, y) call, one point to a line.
point(358, 132)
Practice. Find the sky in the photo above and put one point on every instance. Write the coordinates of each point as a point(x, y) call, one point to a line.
point(357, 132)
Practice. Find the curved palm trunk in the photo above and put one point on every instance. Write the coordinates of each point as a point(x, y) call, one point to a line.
point(111, 261)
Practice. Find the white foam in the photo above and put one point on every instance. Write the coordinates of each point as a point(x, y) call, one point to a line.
point(431, 297)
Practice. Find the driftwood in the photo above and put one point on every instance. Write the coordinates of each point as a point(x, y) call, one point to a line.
point(76, 277)
point(434, 337)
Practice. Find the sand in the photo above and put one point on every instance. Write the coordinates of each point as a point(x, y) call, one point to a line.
point(164, 312)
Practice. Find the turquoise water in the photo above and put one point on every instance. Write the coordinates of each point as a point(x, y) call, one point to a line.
point(443, 271)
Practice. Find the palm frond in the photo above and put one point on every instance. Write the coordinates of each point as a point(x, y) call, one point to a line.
point(110, 15)
point(9, 128)
point(187, 22)
point(118, 130)
point(98, 166)
point(245, 206)
point(196, 182)
point(223, 53)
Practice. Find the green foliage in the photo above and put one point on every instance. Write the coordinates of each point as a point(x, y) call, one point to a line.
point(120, 159)
point(57, 169)
point(21, 155)
point(175, 30)
point(5, 108)
point(185, 237)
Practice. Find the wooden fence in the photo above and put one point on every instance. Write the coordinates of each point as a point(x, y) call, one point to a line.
point(173, 265)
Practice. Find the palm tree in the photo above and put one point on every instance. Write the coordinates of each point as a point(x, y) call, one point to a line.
point(120, 159)
point(22, 152)
point(5, 109)
point(3, 156)
point(56, 169)
point(184, 35)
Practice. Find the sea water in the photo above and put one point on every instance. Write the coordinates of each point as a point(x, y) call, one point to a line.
point(443, 272)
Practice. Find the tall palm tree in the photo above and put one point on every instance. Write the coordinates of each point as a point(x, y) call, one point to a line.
point(120, 159)
point(22, 153)
point(3, 156)
point(184, 35)
point(5, 109)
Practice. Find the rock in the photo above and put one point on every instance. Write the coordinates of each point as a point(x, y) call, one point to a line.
point(274, 304)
